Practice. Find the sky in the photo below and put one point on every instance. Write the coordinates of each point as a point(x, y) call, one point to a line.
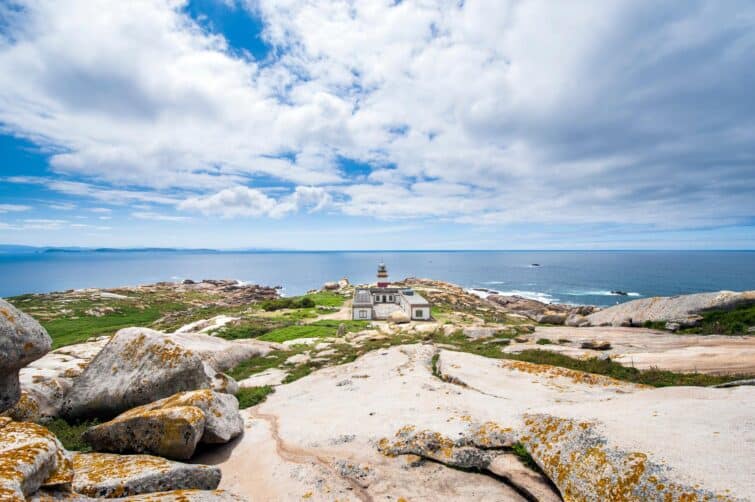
point(378, 124)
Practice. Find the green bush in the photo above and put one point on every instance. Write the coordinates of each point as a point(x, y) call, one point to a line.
point(69, 434)
point(543, 341)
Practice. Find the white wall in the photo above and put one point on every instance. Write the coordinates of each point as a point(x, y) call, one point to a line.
point(357, 314)
point(425, 313)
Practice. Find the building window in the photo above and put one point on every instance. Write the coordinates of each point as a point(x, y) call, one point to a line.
point(363, 314)
point(390, 298)
point(418, 313)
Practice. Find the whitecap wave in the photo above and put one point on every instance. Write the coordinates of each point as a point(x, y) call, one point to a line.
point(532, 295)
point(494, 282)
point(597, 293)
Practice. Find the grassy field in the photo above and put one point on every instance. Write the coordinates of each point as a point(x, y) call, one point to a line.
point(317, 329)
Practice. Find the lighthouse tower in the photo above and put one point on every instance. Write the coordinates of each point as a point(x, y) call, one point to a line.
point(382, 276)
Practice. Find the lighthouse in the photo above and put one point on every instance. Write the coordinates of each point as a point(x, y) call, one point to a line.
point(382, 276)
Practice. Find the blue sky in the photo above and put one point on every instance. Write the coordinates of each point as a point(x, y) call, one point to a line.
point(376, 124)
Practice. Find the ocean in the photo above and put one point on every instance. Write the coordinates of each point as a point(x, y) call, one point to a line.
point(575, 277)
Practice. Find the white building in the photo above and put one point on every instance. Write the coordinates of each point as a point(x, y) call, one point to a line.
point(380, 302)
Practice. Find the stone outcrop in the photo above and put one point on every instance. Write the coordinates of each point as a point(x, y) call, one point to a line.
point(103, 475)
point(468, 453)
point(188, 496)
point(136, 367)
point(581, 463)
point(398, 317)
point(171, 433)
point(30, 457)
point(334, 450)
point(45, 382)
point(171, 427)
point(683, 310)
point(22, 340)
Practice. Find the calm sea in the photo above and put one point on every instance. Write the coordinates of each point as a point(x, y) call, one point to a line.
point(562, 276)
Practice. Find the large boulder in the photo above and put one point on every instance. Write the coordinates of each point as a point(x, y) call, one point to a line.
point(22, 340)
point(684, 309)
point(171, 427)
point(30, 457)
point(104, 475)
point(136, 367)
point(170, 432)
point(45, 382)
point(188, 496)
point(399, 317)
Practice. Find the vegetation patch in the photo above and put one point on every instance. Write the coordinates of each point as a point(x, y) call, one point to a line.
point(652, 377)
point(726, 322)
point(252, 396)
point(524, 456)
point(317, 329)
point(325, 299)
point(69, 434)
point(543, 341)
point(250, 327)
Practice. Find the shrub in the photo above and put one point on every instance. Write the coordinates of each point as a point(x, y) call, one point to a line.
point(543, 341)
point(252, 396)
point(69, 434)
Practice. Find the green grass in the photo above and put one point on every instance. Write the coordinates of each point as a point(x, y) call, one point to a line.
point(259, 364)
point(70, 434)
point(250, 328)
point(729, 322)
point(324, 299)
point(66, 331)
point(252, 396)
point(652, 377)
point(524, 456)
point(434, 365)
point(318, 329)
point(543, 341)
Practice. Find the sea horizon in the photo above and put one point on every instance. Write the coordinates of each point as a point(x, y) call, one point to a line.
point(593, 277)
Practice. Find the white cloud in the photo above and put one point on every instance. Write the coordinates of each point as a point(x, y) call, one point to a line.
point(245, 201)
point(490, 111)
point(146, 215)
point(13, 208)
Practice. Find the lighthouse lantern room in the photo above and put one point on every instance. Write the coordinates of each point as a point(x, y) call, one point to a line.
point(382, 276)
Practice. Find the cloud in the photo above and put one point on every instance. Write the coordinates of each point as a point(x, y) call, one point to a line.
point(63, 206)
point(13, 208)
point(147, 215)
point(245, 201)
point(486, 112)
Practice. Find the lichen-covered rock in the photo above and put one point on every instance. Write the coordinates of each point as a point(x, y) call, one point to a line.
point(137, 366)
point(171, 427)
point(30, 457)
point(169, 432)
point(188, 496)
point(45, 382)
point(22, 340)
point(482, 450)
point(578, 461)
point(223, 421)
point(109, 476)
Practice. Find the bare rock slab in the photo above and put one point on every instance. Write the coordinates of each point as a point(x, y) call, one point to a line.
point(136, 367)
point(684, 309)
point(104, 475)
point(22, 340)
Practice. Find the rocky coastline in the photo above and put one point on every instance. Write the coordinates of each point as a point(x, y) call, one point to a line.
point(216, 390)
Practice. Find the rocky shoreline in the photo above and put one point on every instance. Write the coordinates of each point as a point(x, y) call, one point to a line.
point(218, 394)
